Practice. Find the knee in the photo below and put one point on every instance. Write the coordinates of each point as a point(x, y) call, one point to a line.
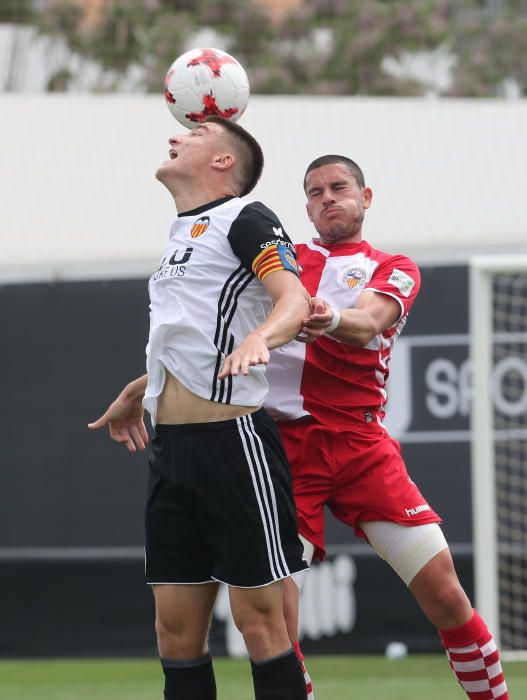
point(450, 595)
point(255, 635)
point(167, 628)
point(450, 606)
point(259, 626)
point(168, 631)
point(176, 641)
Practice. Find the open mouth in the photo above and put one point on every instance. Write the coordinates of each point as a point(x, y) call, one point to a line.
point(172, 154)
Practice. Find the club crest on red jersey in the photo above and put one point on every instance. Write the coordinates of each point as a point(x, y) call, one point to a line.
point(200, 226)
point(354, 276)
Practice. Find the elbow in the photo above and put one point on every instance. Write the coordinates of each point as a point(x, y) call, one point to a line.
point(363, 339)
point(302, 302)
point(361, 342)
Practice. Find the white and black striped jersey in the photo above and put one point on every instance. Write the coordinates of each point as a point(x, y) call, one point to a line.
point(207, 295)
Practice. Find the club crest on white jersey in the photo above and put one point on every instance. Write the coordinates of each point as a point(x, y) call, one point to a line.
point(200, 226)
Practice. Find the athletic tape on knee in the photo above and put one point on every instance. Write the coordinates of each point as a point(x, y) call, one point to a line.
point(406, 548)
point(309, 550)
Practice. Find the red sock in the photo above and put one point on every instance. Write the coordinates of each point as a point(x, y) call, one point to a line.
point(300, 657)
point(475, 660)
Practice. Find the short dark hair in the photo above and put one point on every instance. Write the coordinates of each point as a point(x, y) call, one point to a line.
point(329, 160)
point(249, 151)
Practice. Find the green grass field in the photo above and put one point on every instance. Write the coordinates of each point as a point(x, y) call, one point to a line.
point(335, 678)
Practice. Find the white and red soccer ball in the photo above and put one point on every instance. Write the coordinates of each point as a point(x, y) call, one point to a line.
point(203, 82)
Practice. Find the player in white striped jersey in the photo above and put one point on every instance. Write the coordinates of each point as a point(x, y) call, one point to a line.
point(220, 505)
point(328, 397)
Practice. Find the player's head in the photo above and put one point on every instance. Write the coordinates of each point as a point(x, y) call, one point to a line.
point(351, 165)
point(337, 198)
point(216, 157)
point(249, 155)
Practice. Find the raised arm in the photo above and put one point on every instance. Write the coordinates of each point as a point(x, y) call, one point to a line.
point(291, 308)
point(372, 314)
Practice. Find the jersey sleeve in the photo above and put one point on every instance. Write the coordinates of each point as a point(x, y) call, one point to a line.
point(398, 277)
point(258, 239)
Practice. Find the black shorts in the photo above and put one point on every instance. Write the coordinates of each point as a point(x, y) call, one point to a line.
point(220, 505)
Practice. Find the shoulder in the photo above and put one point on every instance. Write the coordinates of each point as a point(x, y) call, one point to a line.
point(256, 220)
point(392, 259)
point(257, 211)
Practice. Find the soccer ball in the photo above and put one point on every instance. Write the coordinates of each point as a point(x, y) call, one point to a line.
point(203, 82)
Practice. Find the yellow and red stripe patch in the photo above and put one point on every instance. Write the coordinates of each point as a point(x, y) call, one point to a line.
point(267, 261)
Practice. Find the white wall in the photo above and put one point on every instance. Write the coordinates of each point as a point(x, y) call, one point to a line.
point(78, 195)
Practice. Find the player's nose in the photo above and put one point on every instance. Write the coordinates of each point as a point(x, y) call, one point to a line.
point(174, 140)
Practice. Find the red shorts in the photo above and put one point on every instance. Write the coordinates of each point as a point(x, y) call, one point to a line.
point(356, 470)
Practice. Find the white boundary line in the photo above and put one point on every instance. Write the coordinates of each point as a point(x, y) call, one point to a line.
point(93, 270)
point(69, 553)
point(26, 554)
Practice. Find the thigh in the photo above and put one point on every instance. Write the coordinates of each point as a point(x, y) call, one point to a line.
point(258, 614)
point(248, 603)
point(374, 483)
point(248, 508)
point(438, 591)
point(407, 549)
point(310, 455)
point(176, 549)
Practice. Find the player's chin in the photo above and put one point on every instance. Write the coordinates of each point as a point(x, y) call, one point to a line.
point(163, 170)
point(334, 234)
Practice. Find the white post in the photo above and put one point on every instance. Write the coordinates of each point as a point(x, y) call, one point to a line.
point(482, 444)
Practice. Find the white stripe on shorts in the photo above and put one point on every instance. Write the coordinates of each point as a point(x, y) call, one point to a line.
point(263, 485)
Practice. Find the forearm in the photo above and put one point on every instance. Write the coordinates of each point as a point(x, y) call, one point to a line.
point(286, 319)
point(356, 327)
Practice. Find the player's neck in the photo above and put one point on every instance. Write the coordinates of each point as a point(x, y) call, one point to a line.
point(187, 201)
point(353, 239)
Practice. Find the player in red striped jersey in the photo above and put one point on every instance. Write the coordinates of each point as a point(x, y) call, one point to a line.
point(328, 396)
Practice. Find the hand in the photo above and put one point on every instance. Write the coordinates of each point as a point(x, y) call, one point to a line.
point(252, 351)
point(314, 326)
point(124, 419)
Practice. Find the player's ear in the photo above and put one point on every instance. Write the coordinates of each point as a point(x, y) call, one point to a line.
point(367, 196)
point(223, 161)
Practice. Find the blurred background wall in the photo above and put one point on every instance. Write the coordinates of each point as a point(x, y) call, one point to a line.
point(78, 173)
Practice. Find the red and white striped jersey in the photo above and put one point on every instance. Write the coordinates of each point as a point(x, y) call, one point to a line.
point(328, 379)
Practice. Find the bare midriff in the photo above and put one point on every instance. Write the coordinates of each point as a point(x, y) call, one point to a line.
point(177, 405)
